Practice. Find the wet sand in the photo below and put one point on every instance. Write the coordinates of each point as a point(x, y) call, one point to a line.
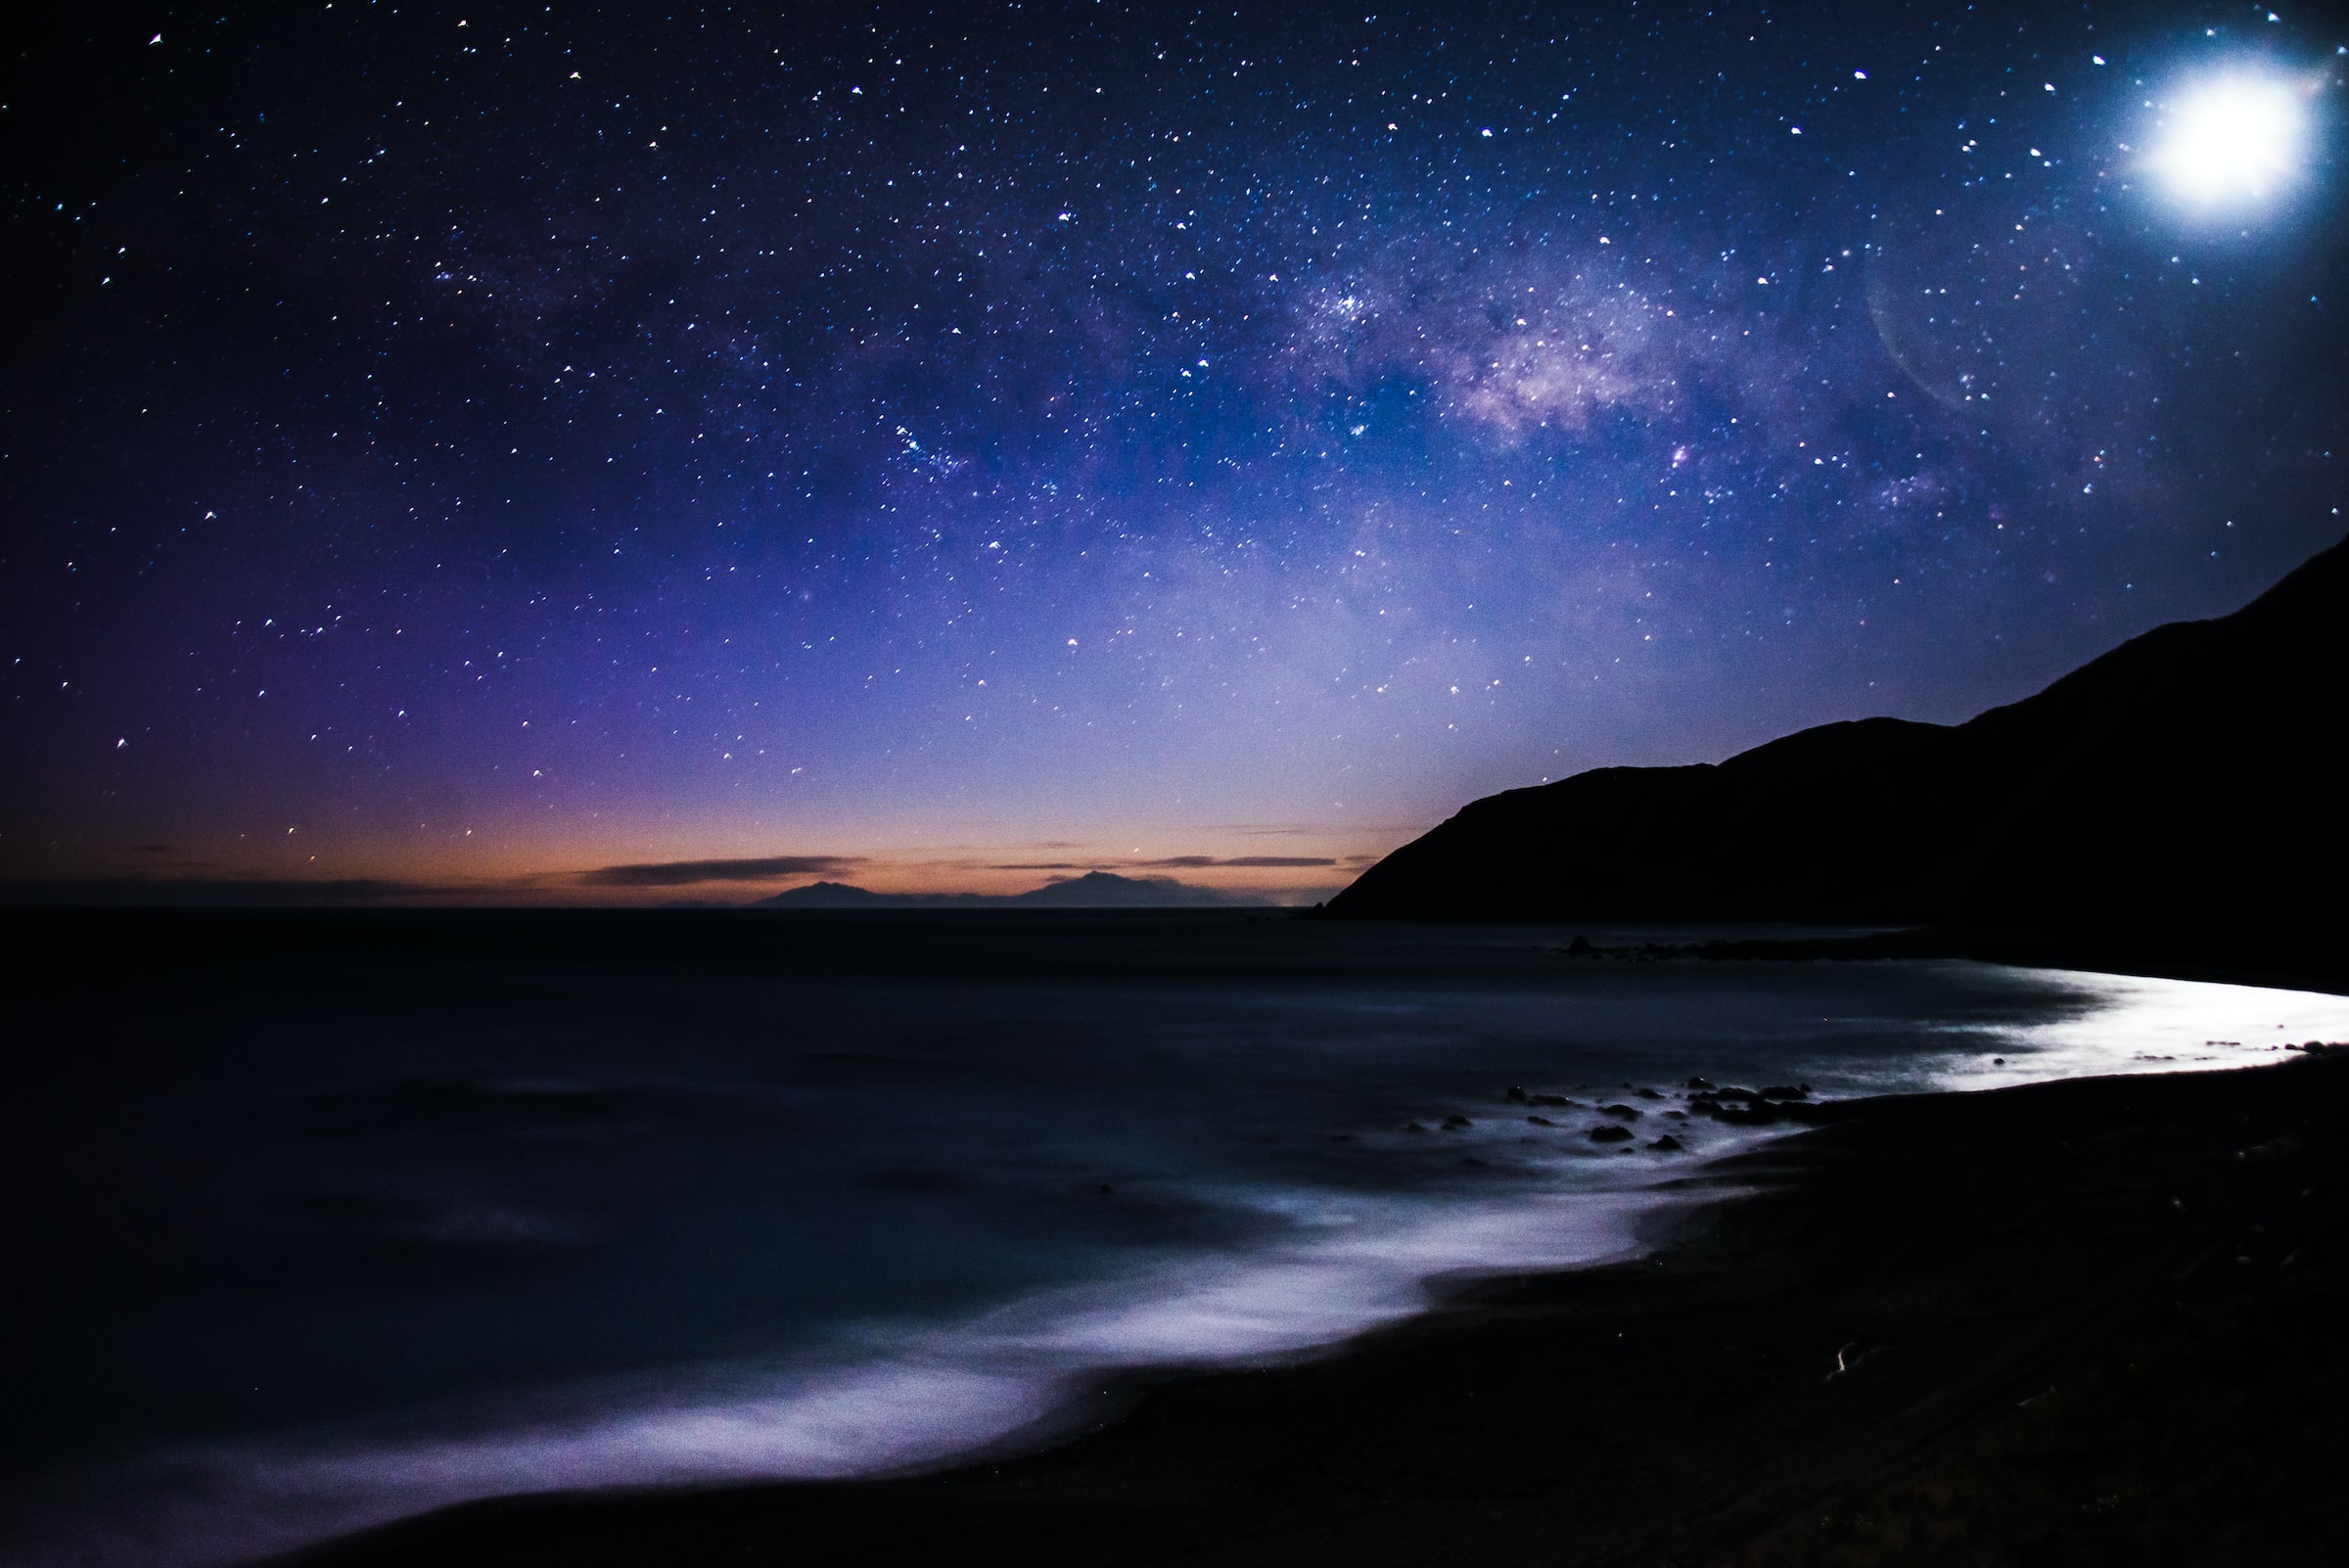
point(1920, 1285)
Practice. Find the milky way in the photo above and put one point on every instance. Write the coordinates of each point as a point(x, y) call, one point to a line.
point(467, 446)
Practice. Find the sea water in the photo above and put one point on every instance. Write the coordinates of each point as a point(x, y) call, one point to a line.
point(412, 1232)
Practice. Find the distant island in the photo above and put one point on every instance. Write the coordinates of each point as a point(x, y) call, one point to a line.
point(2188, 790)
point(1095, 890)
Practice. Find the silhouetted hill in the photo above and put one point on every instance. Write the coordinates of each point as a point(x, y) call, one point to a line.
point(1106, 890)
point(2197, 774)
point(844, 896)
point(1095, 890)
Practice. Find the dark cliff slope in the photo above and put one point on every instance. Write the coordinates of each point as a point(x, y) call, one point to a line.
point(2199, 772)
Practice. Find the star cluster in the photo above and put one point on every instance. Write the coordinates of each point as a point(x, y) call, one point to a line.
point(468, 445)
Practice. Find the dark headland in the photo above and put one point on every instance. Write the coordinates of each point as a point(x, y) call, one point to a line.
point(2180, 804)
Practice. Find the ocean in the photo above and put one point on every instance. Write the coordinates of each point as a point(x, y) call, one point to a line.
point(312, 1237)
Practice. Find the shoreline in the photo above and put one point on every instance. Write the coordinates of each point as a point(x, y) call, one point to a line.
point(2302, 960)
point(1955, 1254)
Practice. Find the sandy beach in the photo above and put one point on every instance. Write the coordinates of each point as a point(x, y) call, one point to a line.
point(2078, 1321)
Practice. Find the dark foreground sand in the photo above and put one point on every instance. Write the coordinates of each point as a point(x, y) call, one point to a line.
point(2103, 1322)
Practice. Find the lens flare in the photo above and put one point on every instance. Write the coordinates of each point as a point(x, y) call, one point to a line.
point(2233, 141)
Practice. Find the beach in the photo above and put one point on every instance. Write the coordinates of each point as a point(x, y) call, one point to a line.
point(638, 1239)
point(1911, 1290)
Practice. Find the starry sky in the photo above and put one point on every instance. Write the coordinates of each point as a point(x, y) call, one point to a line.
point(599, 452)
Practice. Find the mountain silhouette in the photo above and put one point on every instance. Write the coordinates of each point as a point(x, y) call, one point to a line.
point(2199, 773)
point(1095, 890)
point(1106, 890)
point(846, 895)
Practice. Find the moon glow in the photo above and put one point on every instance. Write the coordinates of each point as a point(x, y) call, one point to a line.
point(2232, 141)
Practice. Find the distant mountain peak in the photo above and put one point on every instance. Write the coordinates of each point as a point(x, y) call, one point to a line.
point(1110, 890)
point(1093, 889)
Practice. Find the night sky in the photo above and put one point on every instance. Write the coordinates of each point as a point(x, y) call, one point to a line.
point(463, 449)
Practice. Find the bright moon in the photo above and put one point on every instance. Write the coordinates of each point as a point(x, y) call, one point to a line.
point(2233, 140)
